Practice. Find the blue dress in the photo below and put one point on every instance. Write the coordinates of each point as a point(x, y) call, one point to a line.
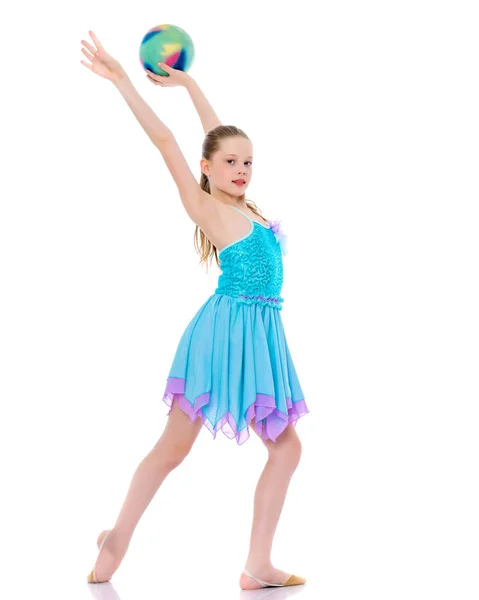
point(233, 363)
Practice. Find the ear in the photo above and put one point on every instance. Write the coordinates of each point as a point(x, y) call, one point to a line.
point(205, 167)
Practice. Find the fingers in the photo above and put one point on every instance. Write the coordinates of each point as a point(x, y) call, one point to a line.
point(85, 64)
point(89, 46)
point(167, 69)
point(154, 76)
point(156, 79)
point(96, 41)
point(163, 80)
point(88, 55)
point(155, 82)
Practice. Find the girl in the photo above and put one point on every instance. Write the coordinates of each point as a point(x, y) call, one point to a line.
point(232, 367)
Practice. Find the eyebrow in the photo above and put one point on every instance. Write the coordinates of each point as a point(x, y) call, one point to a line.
point(237, 155)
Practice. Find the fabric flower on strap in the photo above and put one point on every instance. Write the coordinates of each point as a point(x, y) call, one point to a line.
point(280, 236)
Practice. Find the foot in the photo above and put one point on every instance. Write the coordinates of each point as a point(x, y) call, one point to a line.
point(269, 574)
point(109, 559)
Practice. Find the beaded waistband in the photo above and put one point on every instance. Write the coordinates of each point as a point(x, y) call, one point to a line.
point(274, 302)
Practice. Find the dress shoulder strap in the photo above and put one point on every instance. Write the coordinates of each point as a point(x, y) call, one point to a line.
point(240, 211)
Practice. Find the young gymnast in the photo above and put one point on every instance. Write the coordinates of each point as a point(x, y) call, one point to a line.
point(232, 368)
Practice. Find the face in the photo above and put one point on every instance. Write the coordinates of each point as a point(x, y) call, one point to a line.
point(232, 162)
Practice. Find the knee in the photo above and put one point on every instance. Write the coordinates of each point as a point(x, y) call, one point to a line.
point(176, 453)
point(287, 449)
point(170, 453)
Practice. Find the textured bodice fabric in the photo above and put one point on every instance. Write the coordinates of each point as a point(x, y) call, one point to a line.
point(252, 268)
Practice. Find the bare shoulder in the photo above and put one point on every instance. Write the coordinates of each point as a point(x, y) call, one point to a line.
point(207, 213)
point(219, 223)
point(254, 216)
point(210, 216)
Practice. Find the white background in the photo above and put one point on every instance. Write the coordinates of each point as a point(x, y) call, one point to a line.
point(365, 128)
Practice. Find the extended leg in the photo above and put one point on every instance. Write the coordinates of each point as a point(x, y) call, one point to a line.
point(170, 451)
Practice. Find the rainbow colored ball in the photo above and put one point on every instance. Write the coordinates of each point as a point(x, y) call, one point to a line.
point(169, 44)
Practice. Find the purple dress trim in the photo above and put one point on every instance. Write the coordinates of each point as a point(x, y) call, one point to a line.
point(269, 421)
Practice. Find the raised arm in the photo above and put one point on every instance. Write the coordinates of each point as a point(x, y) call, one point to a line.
point(197, 203)
point(209, 119)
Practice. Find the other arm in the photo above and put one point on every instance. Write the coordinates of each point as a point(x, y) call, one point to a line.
point(176, 77)
point(209, 119)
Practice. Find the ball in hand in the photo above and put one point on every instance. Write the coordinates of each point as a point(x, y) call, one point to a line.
point(168, 44)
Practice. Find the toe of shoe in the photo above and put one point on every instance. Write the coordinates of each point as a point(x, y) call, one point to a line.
point(295, 580)
point(91, 577)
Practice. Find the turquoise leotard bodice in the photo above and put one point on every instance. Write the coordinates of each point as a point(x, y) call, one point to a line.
point(252, 267)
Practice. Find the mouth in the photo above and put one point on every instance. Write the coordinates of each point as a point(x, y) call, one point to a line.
point(239, 182)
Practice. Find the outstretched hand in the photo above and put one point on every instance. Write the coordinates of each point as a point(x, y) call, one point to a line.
point(100, 62)
point(174, 78)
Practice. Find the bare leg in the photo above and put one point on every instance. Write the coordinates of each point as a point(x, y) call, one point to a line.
point(283, 458)
point(170, 451)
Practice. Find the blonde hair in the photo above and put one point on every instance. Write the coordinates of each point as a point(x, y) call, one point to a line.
point(211, 145)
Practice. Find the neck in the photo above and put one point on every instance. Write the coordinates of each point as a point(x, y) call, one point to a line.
point(228, 198)
point(232, 201)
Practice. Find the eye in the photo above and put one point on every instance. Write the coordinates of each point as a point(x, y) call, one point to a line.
point(232, 159)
